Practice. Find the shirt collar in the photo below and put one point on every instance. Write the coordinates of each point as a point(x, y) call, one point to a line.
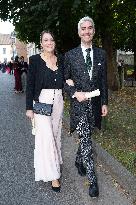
point(84, 48)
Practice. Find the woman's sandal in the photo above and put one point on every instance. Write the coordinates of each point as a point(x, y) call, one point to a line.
point(56, 188)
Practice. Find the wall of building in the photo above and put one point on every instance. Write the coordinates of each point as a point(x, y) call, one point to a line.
point(21, 49)
point(31, 50)
point(13, 47)
point(7, 56)
point(127, 57)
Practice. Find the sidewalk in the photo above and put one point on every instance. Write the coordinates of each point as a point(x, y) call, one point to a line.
point(17, 173)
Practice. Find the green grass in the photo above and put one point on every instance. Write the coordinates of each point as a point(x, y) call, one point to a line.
point(66, 107)
point(118, 136)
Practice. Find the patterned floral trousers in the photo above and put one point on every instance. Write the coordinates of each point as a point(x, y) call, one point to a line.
point(85, 153)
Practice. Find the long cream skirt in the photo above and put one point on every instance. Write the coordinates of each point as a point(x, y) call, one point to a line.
point(47, 153)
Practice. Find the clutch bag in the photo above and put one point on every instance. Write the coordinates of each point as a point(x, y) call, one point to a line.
point(42, 108)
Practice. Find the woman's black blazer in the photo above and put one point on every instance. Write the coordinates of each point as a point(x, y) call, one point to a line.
point(35, 79)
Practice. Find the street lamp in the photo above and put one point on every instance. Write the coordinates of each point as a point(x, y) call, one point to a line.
point(13, 41)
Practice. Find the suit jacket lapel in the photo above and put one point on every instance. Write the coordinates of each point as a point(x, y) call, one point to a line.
point(95, 62)
point(81, 63)
point(94, 57)
point(80, 58)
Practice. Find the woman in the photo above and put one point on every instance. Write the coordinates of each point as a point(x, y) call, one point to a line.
point(45, 84)
point(24, 67)
point(17, 74)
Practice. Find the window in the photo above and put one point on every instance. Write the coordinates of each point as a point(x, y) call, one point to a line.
point(4, 50)
point(5, 60)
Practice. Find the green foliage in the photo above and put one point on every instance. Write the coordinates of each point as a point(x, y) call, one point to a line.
point(125, 25)
point(31, 17)
point(116, 17)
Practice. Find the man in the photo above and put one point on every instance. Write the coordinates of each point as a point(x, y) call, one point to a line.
point(86, 66)
point(120, 69)
point(24, 68)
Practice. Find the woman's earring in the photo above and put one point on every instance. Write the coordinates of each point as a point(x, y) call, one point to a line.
point(41, 48)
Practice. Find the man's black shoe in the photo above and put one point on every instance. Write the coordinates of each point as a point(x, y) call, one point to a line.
point(81, 169)
point(94, 190)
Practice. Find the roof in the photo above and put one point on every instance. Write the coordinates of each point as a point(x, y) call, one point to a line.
point(5, 39)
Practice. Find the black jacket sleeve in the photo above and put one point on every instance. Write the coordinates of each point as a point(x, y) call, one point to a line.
point(30, 83)
point(70, 90)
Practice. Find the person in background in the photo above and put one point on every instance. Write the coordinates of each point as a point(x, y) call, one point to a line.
point(120, 71)
point(17, 74)
point(24, 68)
point(0, 65)
point(10, 64)
point(86, 65)
point(3, 67)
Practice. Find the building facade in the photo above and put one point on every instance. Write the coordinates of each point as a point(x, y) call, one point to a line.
point(6, 49)
point(126, 57)
point(21, 49)
point(32, 50)
point(10, 47)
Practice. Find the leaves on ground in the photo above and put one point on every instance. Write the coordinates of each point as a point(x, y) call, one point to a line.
point(118, 135)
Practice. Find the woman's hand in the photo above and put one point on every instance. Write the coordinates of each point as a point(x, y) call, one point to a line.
point(70, 82)
point(30, 114)
point(80, 96)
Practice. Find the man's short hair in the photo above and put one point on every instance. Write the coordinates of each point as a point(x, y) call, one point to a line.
point(82, 20)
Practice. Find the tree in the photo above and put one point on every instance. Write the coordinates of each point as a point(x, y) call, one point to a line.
point(31, 17)
point(115, 24)
point(126, 26)
point(105, 26)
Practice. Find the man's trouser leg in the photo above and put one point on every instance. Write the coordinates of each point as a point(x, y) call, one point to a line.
point(85, 156)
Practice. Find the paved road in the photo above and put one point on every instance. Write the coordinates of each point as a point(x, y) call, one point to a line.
point(17, 185)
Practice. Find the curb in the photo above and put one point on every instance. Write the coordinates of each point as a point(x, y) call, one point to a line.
point(115, 168)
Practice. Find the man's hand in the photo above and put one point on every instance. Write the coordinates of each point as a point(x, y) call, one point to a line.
point(70, 82)
point(104, 110)
point(80, 96)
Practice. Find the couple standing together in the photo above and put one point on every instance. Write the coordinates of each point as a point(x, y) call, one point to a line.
point(81, 71)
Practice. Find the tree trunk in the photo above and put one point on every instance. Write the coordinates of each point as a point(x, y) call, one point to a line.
point(112, 73)
point(105, 13)
point(135, 64)
point(134, 57)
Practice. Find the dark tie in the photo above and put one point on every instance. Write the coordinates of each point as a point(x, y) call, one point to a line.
point(88, 59)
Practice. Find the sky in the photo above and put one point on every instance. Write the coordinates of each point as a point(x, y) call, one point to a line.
point(6, 27)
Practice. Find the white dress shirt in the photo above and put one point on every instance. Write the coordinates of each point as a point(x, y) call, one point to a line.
point(91, 55)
